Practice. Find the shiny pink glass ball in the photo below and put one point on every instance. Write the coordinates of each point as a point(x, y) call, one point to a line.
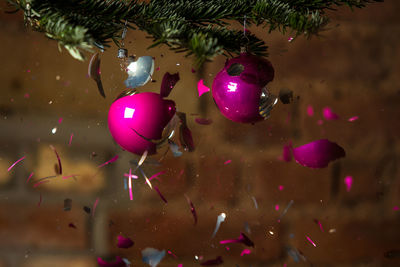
point(134, 119)
point(238, 96)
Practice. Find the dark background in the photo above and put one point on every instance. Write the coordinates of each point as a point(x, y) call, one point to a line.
point(353, 67)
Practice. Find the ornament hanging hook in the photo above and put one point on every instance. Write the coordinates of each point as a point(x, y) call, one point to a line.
point(122, 51)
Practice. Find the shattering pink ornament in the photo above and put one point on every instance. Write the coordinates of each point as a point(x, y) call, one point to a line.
point(135, 120)
point(239, 89)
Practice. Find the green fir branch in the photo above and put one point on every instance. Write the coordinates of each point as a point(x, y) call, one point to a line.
point(196, 27)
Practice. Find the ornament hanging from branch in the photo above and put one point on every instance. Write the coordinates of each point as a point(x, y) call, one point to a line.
point(239, 89)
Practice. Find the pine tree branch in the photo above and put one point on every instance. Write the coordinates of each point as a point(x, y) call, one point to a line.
point(197, 27)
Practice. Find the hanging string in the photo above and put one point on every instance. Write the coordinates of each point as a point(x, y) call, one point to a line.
point(246, 40)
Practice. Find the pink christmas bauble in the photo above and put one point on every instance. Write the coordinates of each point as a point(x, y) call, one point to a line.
point(135, 120)
point(238, 87)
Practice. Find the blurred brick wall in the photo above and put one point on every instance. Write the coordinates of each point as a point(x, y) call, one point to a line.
point(353, 68)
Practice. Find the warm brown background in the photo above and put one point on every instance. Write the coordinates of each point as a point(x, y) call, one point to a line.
point(353, 67)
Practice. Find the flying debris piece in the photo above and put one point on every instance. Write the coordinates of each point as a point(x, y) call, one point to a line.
point(286, 96)
point(30, 176)
point(140, 72)
point(310, 111)
point(201, 88)
point(185, 136)
point(220, 219)
point(203, 121)
point(329, 114)
point(216, 261)
point(286, 153)
point(58, 159)
point(87, 209)
point(9, 168)
point(392, 254)
point(172, 254)
point(118, 262)
point(353, 119)
point(168, 83)
point(67, 204)
point(94, 72)
point(108, 162)
point(295, 254)
point(192, 209)
point(95, 206)
point(245, 252)
point(159, 193)
point(71, 225)
point(241, 239)
point(40, 200)
point(142, 158)
point(174, 148)
point(255, 202)
point(319, 224)
point(152, 256)
point(318, 154)
point(348, 181)
point(70, 139)
point(312, 242)
point(286, 209)
point(124, 242)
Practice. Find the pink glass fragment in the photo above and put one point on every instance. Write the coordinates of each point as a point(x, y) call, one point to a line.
point(69, 176)
point(9, 168)
point(312, 242)
point(348, 181)
point(281, 187)
point(241, 239)
point(228, 161)
point(168, 83)
point(70, 139)
point(172, 254)
point(118, 262)
point(108, 162)
point(276, 207)
point(159, 193)
point(39, 183)
point(186, 138)
point(203, 121)
point(216, 261)
point(58, 159)
point(124, 242)
point(157, 174)
point(318, 154)
point(40, 200)
point(329, 114)
point(95, 206)
point(245, 252)
point(201, 88)
point(395, 208)
point(319, 224)
point(60, 120)
point(30, 176)
point(180, 265)
point(353, 119)
point(286, 153)
point(192, 209)
point(310, 110)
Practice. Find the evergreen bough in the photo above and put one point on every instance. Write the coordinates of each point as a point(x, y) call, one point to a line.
point(196, 27)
